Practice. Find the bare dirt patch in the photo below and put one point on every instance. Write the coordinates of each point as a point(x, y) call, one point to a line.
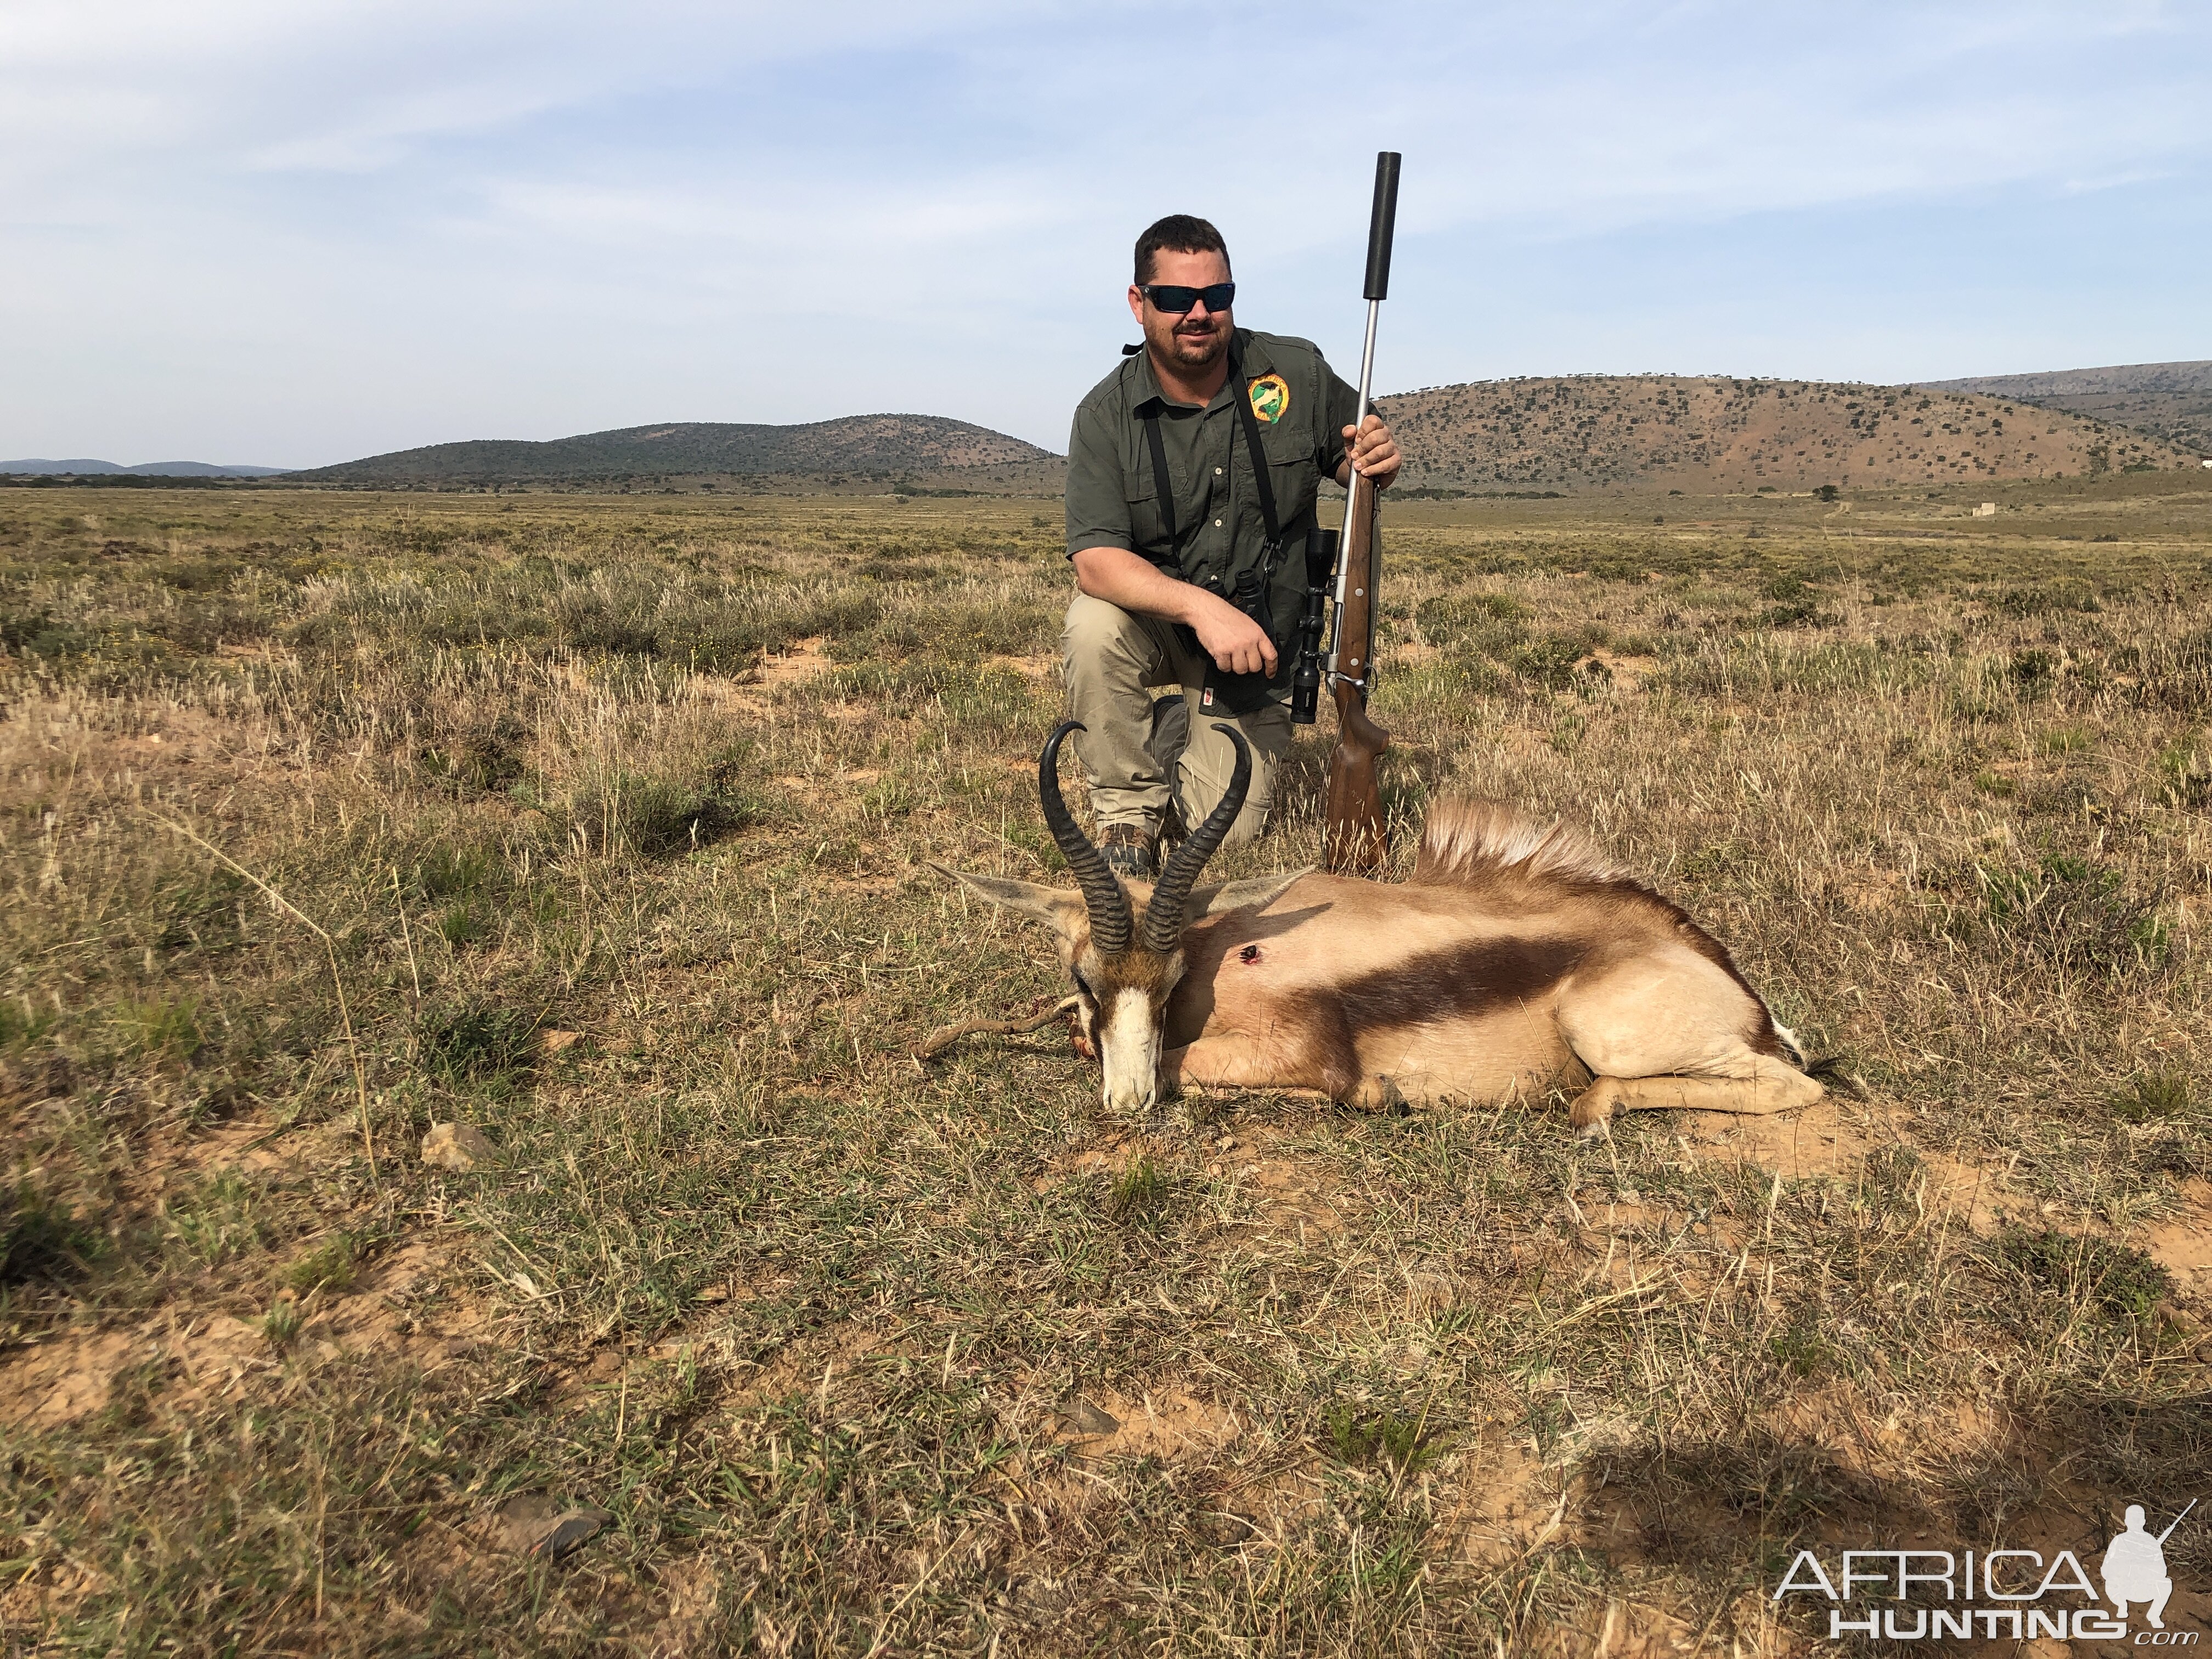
point(71, 1373)
point(2182, 1244)
point(1824, 1138)
point(801, 660)
point(1293, 1199)
point(1167, 1422)
point(1833, 1138)
point(1628, 673)
point(1511, 1503)
point(66, 1377)
point(1040, 668)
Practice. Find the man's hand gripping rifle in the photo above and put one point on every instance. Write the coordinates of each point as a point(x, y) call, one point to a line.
point(1355, 836)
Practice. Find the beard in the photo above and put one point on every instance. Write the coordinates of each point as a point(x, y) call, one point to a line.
point(1191, 348)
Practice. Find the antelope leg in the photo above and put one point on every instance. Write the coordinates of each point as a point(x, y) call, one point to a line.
point(1230, 1061)
point(1235, 1061)
point(1773, 1087)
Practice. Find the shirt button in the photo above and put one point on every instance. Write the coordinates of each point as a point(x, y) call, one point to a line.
point(1217, 524)
point(1216, 471)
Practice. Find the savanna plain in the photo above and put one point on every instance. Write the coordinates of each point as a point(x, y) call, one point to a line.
point(600, 825)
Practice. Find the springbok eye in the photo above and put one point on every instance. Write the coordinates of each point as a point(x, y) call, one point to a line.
point(1084, 985)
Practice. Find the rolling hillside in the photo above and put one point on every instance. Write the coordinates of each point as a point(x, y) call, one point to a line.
point(1718, 433)
point(143, 470)
point(882, 445)
point(2173, 401)
point(1698, 433)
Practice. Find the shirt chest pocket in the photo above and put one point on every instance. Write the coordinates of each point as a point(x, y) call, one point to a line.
point(1163, 520)
point(1149, 516)
point(1290, 470)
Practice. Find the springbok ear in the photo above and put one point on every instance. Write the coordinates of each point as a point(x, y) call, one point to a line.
point(1255, 893)
point(1048, 904)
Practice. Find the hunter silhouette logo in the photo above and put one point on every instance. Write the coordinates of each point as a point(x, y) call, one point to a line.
point(2135, 1567)
point(1271, 398)
point(2018, 1594)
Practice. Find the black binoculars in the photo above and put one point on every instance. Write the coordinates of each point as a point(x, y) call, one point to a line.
point(1313, 623)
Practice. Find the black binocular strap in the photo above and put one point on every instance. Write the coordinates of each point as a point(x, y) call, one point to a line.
point(1260, 481)
point(1160, 479)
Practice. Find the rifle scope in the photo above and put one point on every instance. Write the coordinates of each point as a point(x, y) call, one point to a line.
point(1321, 574)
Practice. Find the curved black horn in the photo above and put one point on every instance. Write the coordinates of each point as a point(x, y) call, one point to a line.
point(1101, 893)
point(1163, 916)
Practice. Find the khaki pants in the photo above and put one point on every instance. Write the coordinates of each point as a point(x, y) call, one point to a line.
point(1138, 752)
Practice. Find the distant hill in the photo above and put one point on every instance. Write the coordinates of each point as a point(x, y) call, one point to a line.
point(144, 470)
point(1699, 434)
point(2173, 401)
point(1721, 433)
point(882, 445)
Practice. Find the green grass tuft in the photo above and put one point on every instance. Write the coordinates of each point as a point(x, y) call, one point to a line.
point(331, 1267)
point(1137, 1195)
point(2094, 1274)
point(1400, 1441)
point(478, 1042)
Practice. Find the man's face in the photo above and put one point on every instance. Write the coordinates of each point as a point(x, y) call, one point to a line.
point(1194, 341)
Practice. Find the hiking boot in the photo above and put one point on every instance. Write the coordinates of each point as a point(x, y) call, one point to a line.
point(1132, 851)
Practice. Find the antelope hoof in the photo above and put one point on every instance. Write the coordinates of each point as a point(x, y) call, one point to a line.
point(1377, 1094)
point(1594, 1108)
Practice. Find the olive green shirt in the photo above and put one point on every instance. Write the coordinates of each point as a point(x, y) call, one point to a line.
point(1112, 499)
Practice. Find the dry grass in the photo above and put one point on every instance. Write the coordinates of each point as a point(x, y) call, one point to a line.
point(614, 815)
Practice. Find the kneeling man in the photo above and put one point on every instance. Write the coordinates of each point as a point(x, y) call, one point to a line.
point(2135, 1570)
point(1192, 473)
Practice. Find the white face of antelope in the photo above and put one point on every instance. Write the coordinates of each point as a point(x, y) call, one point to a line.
point(1121, 997)
point(1129, 1053)
point(1124, 1011)
point(1123, 972)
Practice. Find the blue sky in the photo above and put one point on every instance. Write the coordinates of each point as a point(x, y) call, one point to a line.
point(252, 230)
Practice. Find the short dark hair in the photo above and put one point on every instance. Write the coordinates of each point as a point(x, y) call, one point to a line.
point(1181, 233)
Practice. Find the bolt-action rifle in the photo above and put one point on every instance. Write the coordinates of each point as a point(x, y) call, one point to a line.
point(1354, 834)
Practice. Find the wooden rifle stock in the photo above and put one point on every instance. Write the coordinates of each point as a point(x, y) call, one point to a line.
point(1354, 836)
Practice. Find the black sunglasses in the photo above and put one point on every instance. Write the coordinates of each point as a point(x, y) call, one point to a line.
point(1175, 298)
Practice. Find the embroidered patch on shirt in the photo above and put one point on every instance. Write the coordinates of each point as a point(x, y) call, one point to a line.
point(1271, 398)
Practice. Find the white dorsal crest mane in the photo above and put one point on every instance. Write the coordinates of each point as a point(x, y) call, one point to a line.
point(1467, 842)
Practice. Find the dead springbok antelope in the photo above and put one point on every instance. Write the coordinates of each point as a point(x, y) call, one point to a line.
point(1515, 959)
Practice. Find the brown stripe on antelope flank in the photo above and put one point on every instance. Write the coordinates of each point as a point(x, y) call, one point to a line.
point(1458, 983)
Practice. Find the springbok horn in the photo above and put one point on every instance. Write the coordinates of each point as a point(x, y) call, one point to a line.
point(1163, 916)
point(1102, 894)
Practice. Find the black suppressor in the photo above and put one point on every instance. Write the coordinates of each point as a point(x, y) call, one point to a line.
point(1312, 620)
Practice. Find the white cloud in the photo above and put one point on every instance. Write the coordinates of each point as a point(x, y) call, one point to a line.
point(291, 233)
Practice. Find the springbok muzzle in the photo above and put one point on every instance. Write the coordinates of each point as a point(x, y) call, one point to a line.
point(1129, 1035)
